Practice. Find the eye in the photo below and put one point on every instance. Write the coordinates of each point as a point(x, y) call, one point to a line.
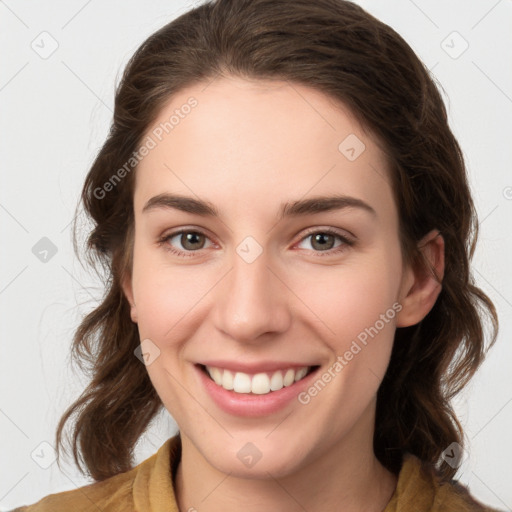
point(323, 241)
point(190, 240)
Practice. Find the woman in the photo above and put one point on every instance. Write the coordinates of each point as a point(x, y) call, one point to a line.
point(287, 225)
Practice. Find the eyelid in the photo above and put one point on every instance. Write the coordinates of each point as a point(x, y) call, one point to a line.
point(343, 233)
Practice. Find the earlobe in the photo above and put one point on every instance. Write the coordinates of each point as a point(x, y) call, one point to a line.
point(133, 312)
point(422, 283)
point(128, 292)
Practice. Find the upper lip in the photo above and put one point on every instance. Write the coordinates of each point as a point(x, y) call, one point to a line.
point(254, 367)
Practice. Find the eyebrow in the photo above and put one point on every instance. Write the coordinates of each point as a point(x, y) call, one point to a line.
point(313, 205)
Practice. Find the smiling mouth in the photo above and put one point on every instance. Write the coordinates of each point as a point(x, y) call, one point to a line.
point(259, 383)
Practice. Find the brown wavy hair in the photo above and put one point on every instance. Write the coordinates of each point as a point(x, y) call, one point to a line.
point(341, 50)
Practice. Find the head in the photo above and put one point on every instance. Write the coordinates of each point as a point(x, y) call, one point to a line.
point(247, 108)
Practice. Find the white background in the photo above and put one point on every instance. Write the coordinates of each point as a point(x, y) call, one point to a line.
point(55, 116)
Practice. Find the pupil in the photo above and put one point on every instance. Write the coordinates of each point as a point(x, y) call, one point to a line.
point(320, 237)
point(190, 239)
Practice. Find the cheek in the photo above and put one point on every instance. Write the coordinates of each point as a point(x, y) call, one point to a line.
point(349, 299)
point(161, 305)
point(168, 298)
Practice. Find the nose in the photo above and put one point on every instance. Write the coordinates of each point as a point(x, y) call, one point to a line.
point(252, 300)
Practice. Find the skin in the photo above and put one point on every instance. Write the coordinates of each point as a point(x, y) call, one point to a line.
point(247, 147)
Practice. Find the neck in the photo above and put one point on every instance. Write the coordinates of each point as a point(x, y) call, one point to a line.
point(346, 477)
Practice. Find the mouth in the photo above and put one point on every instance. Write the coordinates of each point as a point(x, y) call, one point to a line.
point(262, 383)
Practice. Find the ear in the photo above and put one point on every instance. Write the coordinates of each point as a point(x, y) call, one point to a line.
point(127, 287)
point(420, 287)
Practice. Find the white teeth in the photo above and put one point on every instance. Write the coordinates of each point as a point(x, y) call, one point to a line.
point(276, 382)
point(227, 379)
point(289, 377)
point(242, 383)
point(216, 375)
point(260, 383)
point(300, 374)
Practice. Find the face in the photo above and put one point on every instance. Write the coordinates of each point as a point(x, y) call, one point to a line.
point(262, 287)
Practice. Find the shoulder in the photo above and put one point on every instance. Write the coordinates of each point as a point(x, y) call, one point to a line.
point(88, 497)
point(124, 491)
point(117, 489)
point(420, 488)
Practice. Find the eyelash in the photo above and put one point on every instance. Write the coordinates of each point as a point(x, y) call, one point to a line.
point(330, 252)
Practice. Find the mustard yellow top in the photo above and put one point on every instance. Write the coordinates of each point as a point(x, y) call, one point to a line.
point(148, 487)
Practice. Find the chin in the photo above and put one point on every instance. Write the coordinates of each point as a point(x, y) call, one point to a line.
point(260, 459)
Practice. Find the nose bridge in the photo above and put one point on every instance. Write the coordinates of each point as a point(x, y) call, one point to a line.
point(252, 300)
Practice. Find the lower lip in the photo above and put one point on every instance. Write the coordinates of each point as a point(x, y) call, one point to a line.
point(251, 405)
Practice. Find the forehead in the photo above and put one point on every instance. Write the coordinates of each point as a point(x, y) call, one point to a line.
point(253, 141)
